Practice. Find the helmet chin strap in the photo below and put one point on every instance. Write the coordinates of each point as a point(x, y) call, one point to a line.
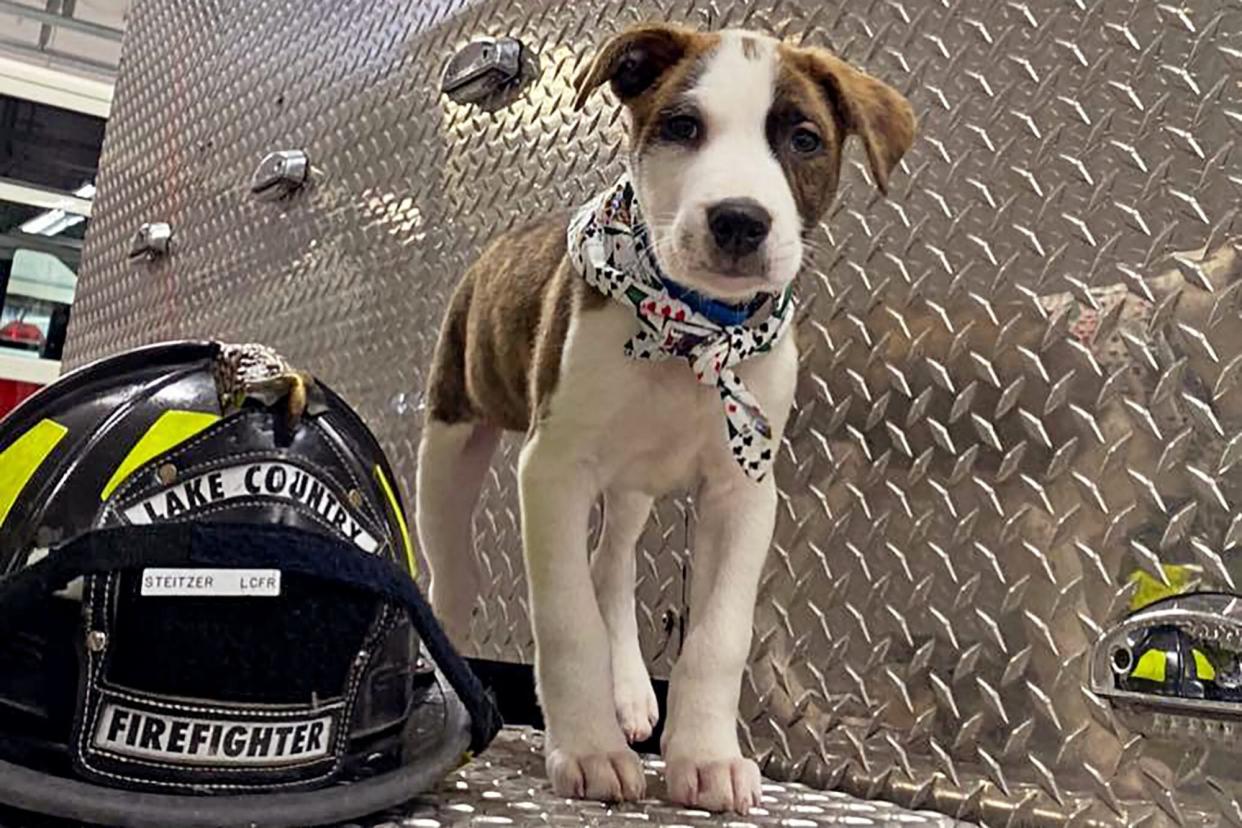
point(71, 590)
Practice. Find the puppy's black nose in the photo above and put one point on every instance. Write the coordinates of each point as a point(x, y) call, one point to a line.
point(739, 225)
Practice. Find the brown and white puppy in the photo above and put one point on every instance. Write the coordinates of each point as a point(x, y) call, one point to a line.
point(726, 124)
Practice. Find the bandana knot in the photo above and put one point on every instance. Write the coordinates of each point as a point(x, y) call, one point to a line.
point(609, 245)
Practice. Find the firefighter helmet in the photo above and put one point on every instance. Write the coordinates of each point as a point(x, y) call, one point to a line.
point(207, 609)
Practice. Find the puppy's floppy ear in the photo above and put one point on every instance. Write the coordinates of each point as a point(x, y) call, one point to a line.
point(633, 60)
point(871, 109)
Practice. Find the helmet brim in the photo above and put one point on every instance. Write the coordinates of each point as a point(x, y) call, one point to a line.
point(42, 793)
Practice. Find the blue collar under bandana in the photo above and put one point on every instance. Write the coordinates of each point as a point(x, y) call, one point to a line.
point(717, 311)
point(722, 313)
point(608, 244)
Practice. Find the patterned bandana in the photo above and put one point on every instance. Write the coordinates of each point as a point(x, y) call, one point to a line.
point(609, 246)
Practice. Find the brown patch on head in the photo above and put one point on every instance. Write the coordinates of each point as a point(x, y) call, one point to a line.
point(799, 104)
point(647, 67)
point(861, 105)
point(750, 48)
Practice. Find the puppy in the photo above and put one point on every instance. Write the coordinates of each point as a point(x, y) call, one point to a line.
point(640, 343)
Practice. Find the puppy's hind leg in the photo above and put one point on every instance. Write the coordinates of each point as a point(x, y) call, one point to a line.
point(613, 572)
point(453, 459)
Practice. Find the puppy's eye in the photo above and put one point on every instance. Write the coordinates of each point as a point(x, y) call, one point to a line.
point(681, 128)
point(805, 141)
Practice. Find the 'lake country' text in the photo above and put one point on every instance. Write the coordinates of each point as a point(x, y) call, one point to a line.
point(282, 481)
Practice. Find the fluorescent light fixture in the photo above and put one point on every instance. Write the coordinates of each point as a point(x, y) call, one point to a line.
point(40, 224)
point(55, 222)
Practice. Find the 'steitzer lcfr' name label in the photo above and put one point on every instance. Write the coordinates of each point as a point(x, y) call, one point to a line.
point(233, 583)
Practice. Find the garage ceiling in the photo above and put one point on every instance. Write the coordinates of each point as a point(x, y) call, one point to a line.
point(78, 36)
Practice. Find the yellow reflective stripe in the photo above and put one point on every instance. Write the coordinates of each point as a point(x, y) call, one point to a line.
point(1149, 589)
point(1203, 667)
point(396, 510)
point(1150, 666)
point(22, 459)
point(171, 430)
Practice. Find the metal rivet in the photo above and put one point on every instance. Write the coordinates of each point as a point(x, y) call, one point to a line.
point(167, 474)
point(669, 620)
point(355, 498)
point(96, 641)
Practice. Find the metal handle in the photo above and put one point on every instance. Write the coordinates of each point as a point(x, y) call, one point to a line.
point(279, 174)
point(150, 241)
point(481, 68)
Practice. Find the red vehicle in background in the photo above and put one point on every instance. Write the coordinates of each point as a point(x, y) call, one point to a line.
point(22, 335)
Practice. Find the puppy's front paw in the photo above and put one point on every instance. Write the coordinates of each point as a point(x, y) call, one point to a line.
point(714, 785)
point(637, 713)
point(613, 776)
point(637, 708)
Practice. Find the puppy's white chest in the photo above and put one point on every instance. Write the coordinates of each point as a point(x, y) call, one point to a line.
point(658, 435)
point(651, 426)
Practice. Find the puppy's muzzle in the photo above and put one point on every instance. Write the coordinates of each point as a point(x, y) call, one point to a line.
point(739, 226)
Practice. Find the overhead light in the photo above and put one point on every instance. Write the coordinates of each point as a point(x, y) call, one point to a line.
point(51, 223)
point(55, 222)
point(40, 223)
point(69, 220)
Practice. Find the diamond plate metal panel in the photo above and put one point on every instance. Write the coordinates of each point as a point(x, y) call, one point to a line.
point(148, 173)
point(1019, 408)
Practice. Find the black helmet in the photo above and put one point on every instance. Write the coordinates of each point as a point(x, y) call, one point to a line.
point(206, 594)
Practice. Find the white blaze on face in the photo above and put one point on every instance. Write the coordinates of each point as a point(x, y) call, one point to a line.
point(676, 185)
